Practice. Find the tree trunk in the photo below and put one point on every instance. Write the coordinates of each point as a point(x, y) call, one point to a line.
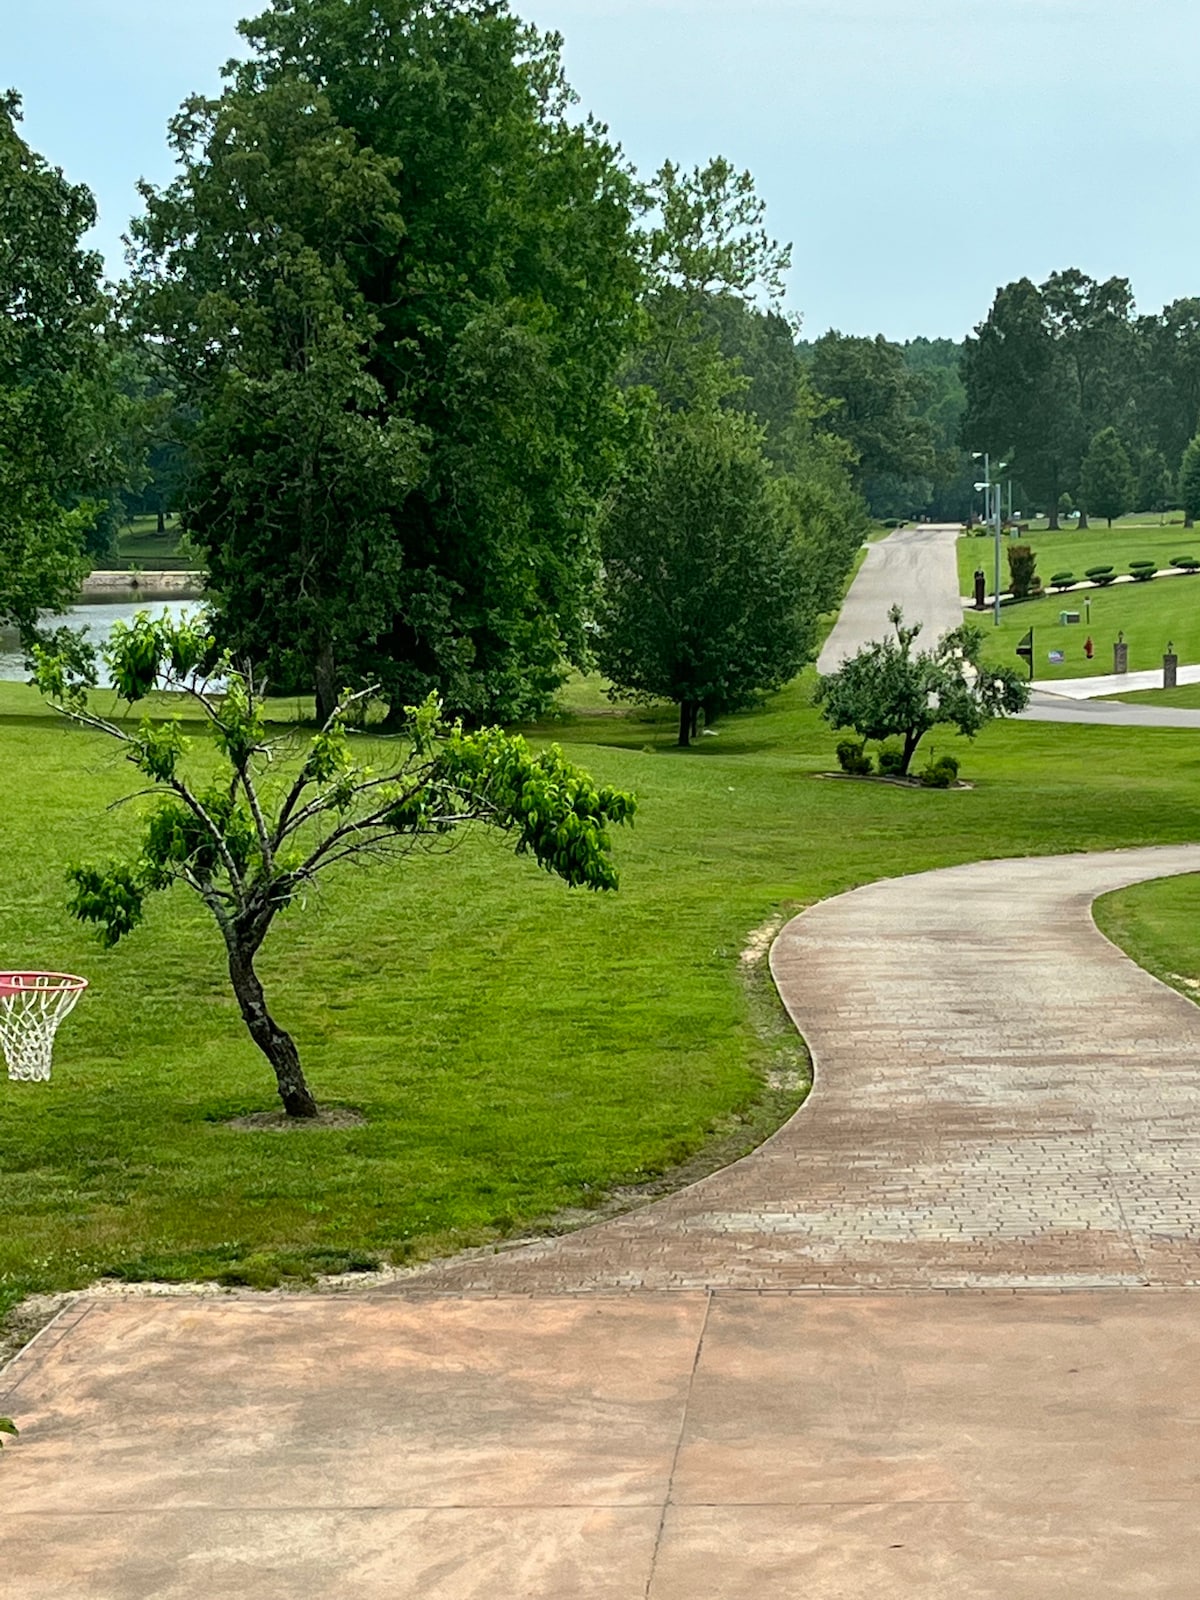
point(162, 521)
point(278, 1046)
point(326, 685)
point(1083, 521)
point(911, 741)
point(1052, 522)
point(688, 710)
point(1189, 522)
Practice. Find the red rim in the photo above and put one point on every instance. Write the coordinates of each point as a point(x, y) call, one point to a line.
point(31, 982)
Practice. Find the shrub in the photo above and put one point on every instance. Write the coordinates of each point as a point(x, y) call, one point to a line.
point(1035, 587)
point(894, 522)
point(1022, 565)
point(1062, 580)
point(1102, 575)
point(852, 757)
point(891, 761)
point(939, 774)
point(1187, 563)
point(1142, 571)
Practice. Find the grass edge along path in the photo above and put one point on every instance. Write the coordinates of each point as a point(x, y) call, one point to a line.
point(520, 1053)
point(1157, 924)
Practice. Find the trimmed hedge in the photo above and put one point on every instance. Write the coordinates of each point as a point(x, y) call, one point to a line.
point(1101, 575)
point(1187, 563)
point(1062, 580)
point(1142, 571)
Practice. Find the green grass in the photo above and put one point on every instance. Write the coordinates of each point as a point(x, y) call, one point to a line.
point(1075, 552)
point(517, 1048)
point(1149, 615)
point(1186, 696)
point(140, 545)
point(1158, 924)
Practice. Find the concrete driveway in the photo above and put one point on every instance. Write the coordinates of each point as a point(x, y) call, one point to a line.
point(937, 1338)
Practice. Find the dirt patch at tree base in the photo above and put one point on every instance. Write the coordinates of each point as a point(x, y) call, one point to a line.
point(277, 1121)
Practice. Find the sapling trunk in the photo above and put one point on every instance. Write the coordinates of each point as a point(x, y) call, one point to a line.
point(275, 1042)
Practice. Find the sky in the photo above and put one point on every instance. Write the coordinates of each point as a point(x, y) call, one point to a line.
point(917, 153)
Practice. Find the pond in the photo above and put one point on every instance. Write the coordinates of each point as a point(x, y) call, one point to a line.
point(97, 619)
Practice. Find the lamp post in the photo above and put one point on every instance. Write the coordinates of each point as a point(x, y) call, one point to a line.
point(993, 492)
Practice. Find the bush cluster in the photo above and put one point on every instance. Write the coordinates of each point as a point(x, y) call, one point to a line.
point(1062, 580)
point(891, 761)
point(939, 774)
point(1101, 575)
point(1186, 563)
point(1142, 571)
point(852, 757)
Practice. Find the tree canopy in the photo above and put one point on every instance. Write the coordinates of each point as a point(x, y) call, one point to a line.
point(395, 277)
point(1106, 481)
point(58, 406)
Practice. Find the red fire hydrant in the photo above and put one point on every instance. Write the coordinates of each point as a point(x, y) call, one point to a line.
point(1088, 647)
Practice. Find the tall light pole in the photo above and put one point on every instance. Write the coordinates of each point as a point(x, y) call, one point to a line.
point(993, 501)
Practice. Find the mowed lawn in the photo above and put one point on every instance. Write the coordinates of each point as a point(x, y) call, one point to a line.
point(1150, 615)
point(516, 1047)
point(1158, 924)
point(1071, 551)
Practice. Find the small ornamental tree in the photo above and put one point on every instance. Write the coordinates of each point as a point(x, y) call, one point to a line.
point(251, 836)
point(891, 690)
point(1022, 567)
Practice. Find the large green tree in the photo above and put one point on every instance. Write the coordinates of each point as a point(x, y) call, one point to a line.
point(1048, 368)
point(1106, 482)
point(1189, 482)
point(876, 407)
point(707, 600)
point(57, 397)
point(395, 277)
point(735, 522)
point(1168, 389)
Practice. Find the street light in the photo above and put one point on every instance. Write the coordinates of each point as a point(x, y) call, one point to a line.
point(993, 506)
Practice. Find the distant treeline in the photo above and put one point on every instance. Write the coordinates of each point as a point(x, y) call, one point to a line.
point(1091, 405)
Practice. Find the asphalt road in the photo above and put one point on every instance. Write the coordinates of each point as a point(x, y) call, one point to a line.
point(916, 569)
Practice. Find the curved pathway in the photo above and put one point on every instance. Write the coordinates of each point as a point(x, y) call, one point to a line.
point(1002, 1099)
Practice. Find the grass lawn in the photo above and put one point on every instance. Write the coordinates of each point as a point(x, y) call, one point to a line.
point(517, 1048)
point(1187, 696)
point(1158, 924)
point(141, 545)
point(1068, 551)
point(1149, 614)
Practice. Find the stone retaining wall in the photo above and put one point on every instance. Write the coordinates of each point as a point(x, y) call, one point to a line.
point(152, 585)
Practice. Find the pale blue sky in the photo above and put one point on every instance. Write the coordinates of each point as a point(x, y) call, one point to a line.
point(917, 152)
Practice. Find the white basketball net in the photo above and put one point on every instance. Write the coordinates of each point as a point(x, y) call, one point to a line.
point(32, 1004)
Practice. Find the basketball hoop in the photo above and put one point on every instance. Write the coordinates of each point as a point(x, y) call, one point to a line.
point(32, 1004)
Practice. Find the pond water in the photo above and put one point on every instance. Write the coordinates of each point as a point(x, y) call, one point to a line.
point(97, 619)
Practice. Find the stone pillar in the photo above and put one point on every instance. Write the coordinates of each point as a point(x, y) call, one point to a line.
point(1121, 656)
point(1170, 669)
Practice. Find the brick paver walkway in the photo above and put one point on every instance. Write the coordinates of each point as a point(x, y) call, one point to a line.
point(1002, 1100)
